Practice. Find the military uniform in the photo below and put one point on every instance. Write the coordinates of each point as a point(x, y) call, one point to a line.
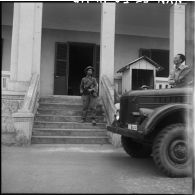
point(89, 87)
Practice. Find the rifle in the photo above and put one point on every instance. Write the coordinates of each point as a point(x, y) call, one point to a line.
point(87, 92)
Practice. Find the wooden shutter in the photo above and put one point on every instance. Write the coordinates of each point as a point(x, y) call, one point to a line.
point(97, 61)
point(159, 56)
point(61, 59)
point(61, 69)
point(162, 58)
point(144, 52)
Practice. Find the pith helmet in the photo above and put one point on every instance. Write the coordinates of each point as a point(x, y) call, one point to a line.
point(88, 67)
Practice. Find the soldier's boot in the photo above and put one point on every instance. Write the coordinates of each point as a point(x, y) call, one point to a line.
point(84, 115)
point(93, 122)
point(83, 120)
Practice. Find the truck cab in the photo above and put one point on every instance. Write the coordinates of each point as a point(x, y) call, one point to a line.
point(157, 123)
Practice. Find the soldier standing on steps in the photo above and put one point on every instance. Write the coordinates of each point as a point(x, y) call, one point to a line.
point(88, 90)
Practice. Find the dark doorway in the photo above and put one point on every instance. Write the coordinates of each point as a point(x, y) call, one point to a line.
point(81, 55)
point(142, 77)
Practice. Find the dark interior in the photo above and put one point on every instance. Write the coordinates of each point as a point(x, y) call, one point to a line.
point(159, 56)
point(142, 77)
point(80, 56)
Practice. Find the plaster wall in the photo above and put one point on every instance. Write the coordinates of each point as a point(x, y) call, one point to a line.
point(6, 51)
point(126, 50)
point(49, 37)
point(151, 19)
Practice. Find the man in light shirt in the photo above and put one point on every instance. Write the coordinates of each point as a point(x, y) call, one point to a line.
point(181, 75)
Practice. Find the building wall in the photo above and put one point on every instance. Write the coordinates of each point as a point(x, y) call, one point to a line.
point(6, 52)
point(49, 37)
point(126, 50)
point(131, 19)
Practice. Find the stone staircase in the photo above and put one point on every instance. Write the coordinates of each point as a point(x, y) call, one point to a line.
point(57, 121)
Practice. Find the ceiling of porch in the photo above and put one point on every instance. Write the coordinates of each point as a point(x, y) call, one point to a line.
point(139, 19)
point(150, 19)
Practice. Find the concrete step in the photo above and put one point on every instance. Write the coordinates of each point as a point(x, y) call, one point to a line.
point(65, 99)
point(59, 112)
point(57, 121)
point(65, 112)
point(68, 125)
point(69, 140)
point(59, 106)
point(68, 132)
point(62, 118)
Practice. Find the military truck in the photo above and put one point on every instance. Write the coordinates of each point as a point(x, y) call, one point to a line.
point(158, 123)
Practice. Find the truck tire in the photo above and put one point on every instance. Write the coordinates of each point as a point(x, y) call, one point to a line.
point(135, 149)
point(170, 151)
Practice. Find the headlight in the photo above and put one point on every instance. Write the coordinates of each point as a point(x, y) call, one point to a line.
point(117, 115)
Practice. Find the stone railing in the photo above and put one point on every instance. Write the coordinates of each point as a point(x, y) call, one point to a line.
point(107, 94)
point(24, 118)
point(5, 76)
point(118, 84)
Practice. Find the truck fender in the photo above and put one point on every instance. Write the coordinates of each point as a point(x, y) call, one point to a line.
point(161, 112)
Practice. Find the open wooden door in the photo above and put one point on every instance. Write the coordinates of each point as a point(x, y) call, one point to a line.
point(61, 69)
point(96, 62)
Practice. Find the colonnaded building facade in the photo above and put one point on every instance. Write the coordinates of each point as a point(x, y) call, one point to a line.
point(46, 46)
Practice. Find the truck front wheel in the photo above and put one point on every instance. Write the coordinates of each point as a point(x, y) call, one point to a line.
point(170, 151)
point(135, 149)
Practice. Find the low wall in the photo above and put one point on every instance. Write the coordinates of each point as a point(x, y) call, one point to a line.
point(107, 95)
point(10, 103)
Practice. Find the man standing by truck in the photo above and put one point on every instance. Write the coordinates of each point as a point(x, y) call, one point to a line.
point(181, 75)
point(88, 90)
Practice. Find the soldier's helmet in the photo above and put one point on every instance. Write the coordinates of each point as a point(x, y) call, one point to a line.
point(87, 68)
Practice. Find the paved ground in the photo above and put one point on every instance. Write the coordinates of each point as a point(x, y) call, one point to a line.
point(83, 169)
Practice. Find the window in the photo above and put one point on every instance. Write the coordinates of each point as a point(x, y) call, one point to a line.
point(159, 56)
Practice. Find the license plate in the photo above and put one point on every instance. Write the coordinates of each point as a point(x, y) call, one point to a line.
point(132, 127)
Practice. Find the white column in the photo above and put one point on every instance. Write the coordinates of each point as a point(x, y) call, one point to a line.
point(26, 42)
point(15, 40)
point(37, 38)
point(107, 40)
point(177, 31)
point(190, 33)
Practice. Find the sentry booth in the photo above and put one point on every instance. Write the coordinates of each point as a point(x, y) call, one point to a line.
point(139, 74)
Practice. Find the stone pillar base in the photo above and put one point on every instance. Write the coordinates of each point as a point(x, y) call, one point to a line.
point(115, 139)
point(23, 123)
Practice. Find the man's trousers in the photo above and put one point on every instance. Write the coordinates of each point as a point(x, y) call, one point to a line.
point(89, 103)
